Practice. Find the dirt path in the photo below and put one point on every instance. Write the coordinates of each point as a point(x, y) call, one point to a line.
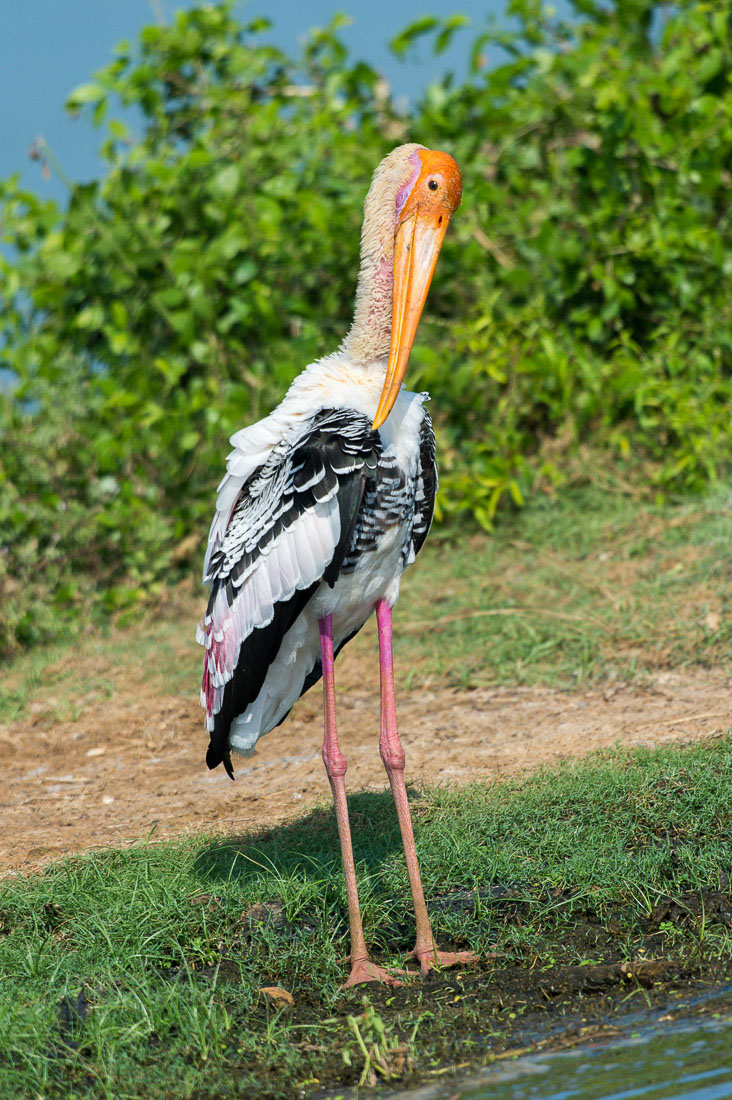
point(135, 762)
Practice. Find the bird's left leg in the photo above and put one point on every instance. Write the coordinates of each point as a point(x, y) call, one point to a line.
point(392, 755)
point(362, 968)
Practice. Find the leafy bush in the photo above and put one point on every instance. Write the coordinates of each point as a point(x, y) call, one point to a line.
point(598, 246)
point(582, 294)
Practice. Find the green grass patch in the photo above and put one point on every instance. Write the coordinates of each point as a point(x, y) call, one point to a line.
point(585, 587)
point(156, 650)
point(137, 972)
point(588, 586)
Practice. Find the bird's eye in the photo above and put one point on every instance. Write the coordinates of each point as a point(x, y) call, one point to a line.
point(433, 185)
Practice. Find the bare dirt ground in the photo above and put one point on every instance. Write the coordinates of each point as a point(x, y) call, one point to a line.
point(135, 762)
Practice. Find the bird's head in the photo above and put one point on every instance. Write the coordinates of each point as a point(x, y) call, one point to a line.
point(418, 191)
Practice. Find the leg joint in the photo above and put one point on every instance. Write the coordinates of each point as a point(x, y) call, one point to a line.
point(335, 762)
point(392, 756)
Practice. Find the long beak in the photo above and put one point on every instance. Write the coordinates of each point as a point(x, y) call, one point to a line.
point(416, 248)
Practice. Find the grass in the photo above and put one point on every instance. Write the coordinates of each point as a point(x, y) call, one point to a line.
point(138, 972)
point(588, 586)
point(585, 587)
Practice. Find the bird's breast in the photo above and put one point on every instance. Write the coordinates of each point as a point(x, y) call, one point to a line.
point(371, 575)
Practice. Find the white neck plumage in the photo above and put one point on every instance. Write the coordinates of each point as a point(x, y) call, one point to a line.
point(370, 334)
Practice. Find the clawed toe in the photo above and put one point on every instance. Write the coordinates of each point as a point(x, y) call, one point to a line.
point(363, 970)
point(433, 958)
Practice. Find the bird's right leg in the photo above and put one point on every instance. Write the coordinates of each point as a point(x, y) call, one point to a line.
point(362, 969)
point(392, 755)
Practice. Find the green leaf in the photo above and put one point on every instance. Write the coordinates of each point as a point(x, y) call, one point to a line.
point(225, 182)
point(447, 32)
point(402, 42)
point(85, 93)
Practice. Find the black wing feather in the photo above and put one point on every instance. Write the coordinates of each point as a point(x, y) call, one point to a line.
point(338, 450)
point(427, 480)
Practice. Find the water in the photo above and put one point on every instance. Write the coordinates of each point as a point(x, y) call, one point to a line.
point(679, 1054)
point(662, 1059)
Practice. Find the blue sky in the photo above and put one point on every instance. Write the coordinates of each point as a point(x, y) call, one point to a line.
point(48, 47)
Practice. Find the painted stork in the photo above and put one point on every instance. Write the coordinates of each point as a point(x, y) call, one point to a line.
point(324, 504)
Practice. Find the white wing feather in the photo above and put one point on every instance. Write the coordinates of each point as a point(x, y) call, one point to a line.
point(260, 550)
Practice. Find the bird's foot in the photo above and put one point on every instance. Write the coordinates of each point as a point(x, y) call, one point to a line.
point(363, 970)
point(432, 958)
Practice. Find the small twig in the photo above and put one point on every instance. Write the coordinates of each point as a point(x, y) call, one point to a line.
point(158, 12)
point(495, 250)
point(352, 1023)
point(420, 624)
point(689, 718)
point(568, 572)
point(659, 528)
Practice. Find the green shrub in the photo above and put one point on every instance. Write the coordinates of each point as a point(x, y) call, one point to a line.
point(582, 295)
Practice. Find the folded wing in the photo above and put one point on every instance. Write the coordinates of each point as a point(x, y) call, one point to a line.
point(288, 530)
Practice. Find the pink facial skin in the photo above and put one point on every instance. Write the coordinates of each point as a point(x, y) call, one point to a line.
point(404, 192)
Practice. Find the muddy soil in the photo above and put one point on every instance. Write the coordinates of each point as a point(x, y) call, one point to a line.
point(134, 762)
point(499, 1009)
point(564, 1024)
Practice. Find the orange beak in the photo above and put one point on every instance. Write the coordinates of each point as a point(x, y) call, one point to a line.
point(419, 235)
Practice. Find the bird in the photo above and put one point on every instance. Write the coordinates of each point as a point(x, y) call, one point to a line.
point(323, 505)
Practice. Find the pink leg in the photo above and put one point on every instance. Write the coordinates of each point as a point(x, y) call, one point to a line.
point(392, 754)
point(362, 969)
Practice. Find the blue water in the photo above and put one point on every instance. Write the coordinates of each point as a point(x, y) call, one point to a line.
point(682, 1053)
point(664, 1060)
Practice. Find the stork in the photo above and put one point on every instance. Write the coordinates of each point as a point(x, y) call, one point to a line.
point(323, 505)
